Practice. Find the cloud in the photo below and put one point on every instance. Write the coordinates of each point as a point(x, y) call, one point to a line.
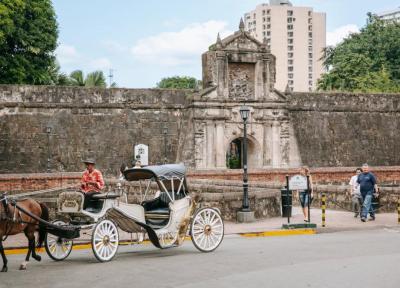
point(181, 47)
point(114, 46)
point(337, 35)
point(100, 63)
point(67, 54)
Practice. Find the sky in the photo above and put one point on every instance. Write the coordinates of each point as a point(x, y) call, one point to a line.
point(145, 41)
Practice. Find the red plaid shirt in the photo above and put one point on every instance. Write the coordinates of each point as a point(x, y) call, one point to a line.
point(95, 176)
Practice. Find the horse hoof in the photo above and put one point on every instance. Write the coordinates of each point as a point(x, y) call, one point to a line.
point(5, 269)
point(38, 258)
point(22, 267)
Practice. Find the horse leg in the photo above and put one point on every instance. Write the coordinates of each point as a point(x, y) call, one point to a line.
point(3, 255)
point(31, 237)
point(30, 242)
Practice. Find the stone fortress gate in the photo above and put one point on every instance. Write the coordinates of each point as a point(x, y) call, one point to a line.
point(240, 70)
point(51, 128)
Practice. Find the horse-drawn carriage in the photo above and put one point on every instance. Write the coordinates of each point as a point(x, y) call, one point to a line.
point(166, 218)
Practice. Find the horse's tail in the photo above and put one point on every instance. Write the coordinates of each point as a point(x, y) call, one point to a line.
point(42, 227)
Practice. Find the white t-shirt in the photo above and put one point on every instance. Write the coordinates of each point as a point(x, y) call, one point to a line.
point(355, 187)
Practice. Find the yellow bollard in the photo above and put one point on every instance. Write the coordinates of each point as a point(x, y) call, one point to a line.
point(398, 211)
point(323, 206)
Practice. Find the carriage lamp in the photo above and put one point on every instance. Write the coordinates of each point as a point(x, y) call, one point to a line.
point(244, 113)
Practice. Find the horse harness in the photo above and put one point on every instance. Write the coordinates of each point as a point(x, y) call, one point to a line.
point(9, 217)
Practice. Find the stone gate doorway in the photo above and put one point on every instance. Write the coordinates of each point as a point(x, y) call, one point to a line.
point(234, 154)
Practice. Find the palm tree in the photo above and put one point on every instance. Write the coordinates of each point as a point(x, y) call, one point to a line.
point(93, 79)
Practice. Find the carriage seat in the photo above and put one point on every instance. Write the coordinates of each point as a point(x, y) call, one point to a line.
point(103, 196)
point(158, 208)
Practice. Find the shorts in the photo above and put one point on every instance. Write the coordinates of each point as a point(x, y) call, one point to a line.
point(304, 199)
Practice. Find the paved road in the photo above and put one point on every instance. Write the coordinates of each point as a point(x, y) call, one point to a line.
point(343, 259)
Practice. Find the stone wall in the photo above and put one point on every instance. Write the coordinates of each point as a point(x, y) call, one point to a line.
point(104, 123)
point(329, 129)
point(339, 129)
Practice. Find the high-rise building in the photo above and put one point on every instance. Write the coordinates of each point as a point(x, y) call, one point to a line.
point(390, 15)
point(296, 36)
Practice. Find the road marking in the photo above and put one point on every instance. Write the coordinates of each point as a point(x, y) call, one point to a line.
point(81, 246)
point(284, 232)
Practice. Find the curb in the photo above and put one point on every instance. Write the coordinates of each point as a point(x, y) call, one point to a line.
point(282, 232)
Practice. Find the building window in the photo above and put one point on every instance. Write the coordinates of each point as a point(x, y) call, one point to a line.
point(290, 48)
point(263, 12)
point(310, 28)
point(290, 34)
point(264, 27)
point(268, 11)
point(309, 20)
point(290, 82)
point(310, 83)
point(254, 22)
point(254, 15)
point(290, 13)
point(290, 41)
point(290, 27)
point(268, 33)
point(290, 55)
point(290, 68)
point(289, 20)
point(263, 19)
point(309, 76)
point(268, 19)
point(290, 62)
point(309, 13)
point(309, 48)
point(263, 33)
point(268, 26)
point(309, 41)
point(310, 34)
point(290, 75)
point(310, 62)
point(309, 55)
point(309, 68)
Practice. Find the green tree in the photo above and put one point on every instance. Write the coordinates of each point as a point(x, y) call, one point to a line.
point(28, 38)
point(93, 79)
point(179, 82)
point(368, 61)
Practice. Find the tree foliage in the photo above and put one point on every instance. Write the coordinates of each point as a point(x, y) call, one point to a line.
point(93, 79)
point(28, 38)
point(368, 61)
point(179, 82)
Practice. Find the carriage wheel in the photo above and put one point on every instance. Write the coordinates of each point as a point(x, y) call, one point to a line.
point(207, 229)
point(105, 240)
point(56, 247)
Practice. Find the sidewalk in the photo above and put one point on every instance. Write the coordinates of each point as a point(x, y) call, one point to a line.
point(335, 221)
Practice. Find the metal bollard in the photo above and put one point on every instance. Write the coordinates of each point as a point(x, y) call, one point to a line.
point(323, 206)
point(398, 211)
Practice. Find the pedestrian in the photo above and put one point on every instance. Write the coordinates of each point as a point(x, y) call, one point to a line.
point(368, 189)
point(305, 196)
point(356, 199)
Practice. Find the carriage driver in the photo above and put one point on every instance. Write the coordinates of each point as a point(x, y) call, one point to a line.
point(92, 181)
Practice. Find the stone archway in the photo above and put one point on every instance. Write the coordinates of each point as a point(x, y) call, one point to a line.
point(234, 154)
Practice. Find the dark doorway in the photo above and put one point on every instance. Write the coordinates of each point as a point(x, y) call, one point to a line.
point(234, 154)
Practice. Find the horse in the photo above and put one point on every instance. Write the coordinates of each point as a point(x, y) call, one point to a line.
point(13, 221)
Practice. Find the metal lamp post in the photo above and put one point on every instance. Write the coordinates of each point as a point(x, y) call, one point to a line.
point(244, 113)
point(48, 132)
point(165, 132)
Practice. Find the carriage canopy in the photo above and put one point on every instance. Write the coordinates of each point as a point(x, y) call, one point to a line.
point(160, 172)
